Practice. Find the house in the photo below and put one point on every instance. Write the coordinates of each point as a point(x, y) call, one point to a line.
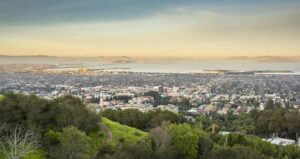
point(281, 141)
point(190, 118)
point(224, 132)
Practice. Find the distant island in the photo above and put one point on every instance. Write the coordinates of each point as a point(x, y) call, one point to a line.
point(266, 58)
point(249, 72)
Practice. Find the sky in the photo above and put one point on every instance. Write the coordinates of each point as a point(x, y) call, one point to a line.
point(177, 28)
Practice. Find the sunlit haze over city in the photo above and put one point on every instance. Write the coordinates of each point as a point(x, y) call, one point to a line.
point(169, 28)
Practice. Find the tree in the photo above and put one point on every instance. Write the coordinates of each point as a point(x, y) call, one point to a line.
point(74, 144)
point(167, 152)
point(235, 139)
point(160, 137)
point(270, 104)
point(236, 152)
point(105, 150)
point(185, 140)
point(203, 122)
point(205, 144)
point(68, 110)
point(245, 124)
point(40, 115)
point(277, 122)
point(18, 143)
point(291, 151)
point(158, 100)
point(157, 117)
point(185, 104)
point(140, 150)
point(261, 146)
point(293, 123)
point(18, 109)
point(140, 120)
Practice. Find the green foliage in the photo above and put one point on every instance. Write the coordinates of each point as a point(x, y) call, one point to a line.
point(244, 124)
point(51, 138)
point(17, 109)
point(185, 140)
point(140, 120)
point(40, 115)
point(271, 121)
point(167, 152)
point(261, 146)
point(205, 144)
point(203, 121)
point(184, 104)
point(293, 123)
point(158, 100)
point(73, 144)
point(236, 152)
point(140, 150)
point(291, 152)
point(97, 139)
point(69, 130)
point(39, 154)
point(130, 117)
point(106, 150)
point(49, 119)
point(270, 104)
point(123, 132)
point(69, 110)
point(234, 139)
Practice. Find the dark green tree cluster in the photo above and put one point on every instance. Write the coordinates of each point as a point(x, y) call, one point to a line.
point(158, 99)
point(273, 120)
point(63, 127)
point(184, 104)
point(284, 122)
point(124, 98)
point(140, 120)
point(184, 141)
point(61, 124)
point(277, 120)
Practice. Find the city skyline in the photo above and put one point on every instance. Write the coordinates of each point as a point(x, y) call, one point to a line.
point(150, 28)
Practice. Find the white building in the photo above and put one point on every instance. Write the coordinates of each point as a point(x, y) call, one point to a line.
point(169, 107)
point(281, 141)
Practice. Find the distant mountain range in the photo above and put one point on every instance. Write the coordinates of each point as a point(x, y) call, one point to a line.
point(29, 56)
point(267, 58)
point(128, 59)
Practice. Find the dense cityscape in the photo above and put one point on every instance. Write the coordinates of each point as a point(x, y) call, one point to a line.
point(122, 90)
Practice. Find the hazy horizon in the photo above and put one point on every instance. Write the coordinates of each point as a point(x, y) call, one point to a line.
point(148, 56)
point(180, 29)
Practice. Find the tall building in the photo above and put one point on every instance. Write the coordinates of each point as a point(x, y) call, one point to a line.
point(101, 100)
point(161, 89)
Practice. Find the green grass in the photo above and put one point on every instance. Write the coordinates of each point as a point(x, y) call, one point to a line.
point(1, 97)
point(39, 154)
point(120, 131)
point(97, 137)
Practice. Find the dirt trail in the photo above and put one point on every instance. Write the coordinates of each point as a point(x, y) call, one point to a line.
point(108, 132)
point(109, 136)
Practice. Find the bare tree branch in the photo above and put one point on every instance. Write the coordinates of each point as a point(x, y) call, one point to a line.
point(17, 143)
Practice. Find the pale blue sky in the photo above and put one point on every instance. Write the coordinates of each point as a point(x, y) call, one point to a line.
point(150, 27)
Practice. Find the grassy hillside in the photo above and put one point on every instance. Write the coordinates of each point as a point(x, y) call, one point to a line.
point(1, 97)
point(122, 132)
point(40, 154)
